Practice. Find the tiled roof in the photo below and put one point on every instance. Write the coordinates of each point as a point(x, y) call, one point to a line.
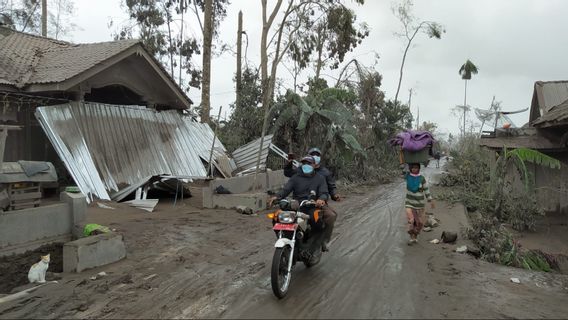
point(28, 59)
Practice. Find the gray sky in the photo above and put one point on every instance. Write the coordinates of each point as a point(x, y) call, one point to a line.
point(513, 42)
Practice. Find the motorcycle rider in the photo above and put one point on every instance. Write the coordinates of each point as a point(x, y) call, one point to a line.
point(329, 215)
point(303, 183)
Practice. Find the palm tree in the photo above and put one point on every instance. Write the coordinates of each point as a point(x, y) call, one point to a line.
point(466, 71)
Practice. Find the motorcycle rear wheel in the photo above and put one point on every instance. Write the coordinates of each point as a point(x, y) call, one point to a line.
point(279, 276)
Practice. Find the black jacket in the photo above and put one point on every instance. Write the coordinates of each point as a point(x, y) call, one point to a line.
point(301, 185)
point(289, 171)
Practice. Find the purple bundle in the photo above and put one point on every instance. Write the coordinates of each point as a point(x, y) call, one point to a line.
point(412, 140)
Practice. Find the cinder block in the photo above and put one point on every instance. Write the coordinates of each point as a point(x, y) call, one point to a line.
point(93, 251)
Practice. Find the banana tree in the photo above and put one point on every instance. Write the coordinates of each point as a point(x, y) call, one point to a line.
point(518, 157)
point(325, 122)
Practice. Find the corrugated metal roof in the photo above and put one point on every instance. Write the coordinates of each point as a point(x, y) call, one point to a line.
point(246, 156)
point(551, 94)
point(555, 115)
point(107, 148)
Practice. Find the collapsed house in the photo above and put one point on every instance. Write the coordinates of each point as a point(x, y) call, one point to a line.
point(108, 118)
point(547, 132)
point(107, 114)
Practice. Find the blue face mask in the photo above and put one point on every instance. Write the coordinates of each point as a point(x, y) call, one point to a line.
point(307, 169)
point(317, 159)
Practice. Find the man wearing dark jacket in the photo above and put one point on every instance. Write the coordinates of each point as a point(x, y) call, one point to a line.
point(304, 182)
point(329, 215)
point(289, 171)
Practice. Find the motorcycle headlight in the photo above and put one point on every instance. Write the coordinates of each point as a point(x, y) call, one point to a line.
point(287, 217)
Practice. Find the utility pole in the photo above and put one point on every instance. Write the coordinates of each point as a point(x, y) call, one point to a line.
point(44, 18)
point(239, 59)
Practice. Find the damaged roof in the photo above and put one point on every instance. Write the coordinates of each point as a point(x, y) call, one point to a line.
point(546, 96)
point(28, 61)
point(107, 148)
point(557, 115)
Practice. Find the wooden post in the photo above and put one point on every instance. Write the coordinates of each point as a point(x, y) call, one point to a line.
point(210, 173)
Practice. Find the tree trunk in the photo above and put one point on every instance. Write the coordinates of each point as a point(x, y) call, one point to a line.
point(44, 18)
point(266, 94)
point(464, 107)
point(206, 79)
point(182, 9)
point(320, 53)
point(239, 60)
point(404, 59)
point(170, 41)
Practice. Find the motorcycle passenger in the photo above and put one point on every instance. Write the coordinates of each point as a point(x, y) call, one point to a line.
point(329, 215)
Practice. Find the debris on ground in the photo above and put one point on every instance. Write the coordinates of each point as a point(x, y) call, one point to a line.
point(449, 237)
point(92, 229)
point(104, 206)
point(515, 280)
point(462, 249)
point(427, 229)
point(244, 210)
point(431, 222)
point(144, 204)
point(474, 251)
point(152, 276)
point(435, 241)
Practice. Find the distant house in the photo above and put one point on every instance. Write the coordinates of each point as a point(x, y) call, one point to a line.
point(546, 131)
point(37, 71)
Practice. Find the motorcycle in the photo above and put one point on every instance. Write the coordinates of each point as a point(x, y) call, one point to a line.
point(299, 228)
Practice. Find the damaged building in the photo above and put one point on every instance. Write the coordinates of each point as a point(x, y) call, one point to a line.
point(547, 132)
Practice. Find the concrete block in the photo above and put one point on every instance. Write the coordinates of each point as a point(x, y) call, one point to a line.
point(78, 205)
point(255, 201)
point(93, 251)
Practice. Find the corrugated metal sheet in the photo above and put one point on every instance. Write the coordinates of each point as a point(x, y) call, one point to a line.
point(246, 156)
point(106, 148)
point(551, 94)
point(555, 115)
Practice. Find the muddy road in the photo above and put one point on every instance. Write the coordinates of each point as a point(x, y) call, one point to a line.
point(372, 273)
point(189, 263)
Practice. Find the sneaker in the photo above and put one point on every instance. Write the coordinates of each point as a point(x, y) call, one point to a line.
point(410, 242)
point(325, 246)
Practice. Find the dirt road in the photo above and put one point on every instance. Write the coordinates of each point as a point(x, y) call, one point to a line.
point(187, 263)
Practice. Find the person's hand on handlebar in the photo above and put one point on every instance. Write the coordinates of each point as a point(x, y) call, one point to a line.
point(320, 203)
point(271, 200)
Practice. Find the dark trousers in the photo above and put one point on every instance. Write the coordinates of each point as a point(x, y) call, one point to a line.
point(329, 217)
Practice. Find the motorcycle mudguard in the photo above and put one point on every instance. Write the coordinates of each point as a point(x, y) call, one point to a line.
point(282, 242)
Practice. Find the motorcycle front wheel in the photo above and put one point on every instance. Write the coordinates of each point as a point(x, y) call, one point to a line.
point(280, 277)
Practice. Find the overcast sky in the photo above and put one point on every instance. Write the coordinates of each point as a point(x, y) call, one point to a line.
point(513, 42)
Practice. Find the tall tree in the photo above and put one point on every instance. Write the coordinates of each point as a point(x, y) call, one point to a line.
point(208, 20)
point(466, 71)
point(156, 23)
point(295, 16)
point(26, 16)
point(411, 28)
point(328, 39)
